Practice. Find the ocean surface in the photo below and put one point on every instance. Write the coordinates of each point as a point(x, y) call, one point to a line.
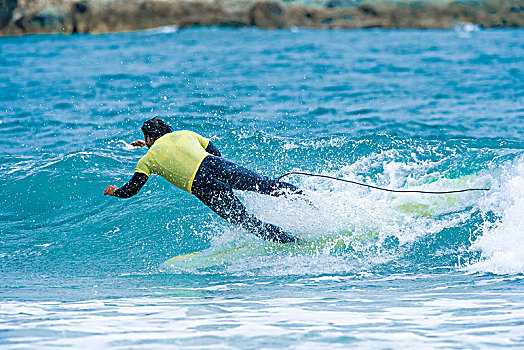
point(402, 109)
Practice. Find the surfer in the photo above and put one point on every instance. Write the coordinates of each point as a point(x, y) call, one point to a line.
point(194, 164)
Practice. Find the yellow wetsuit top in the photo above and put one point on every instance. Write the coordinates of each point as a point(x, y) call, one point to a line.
point(176, 157)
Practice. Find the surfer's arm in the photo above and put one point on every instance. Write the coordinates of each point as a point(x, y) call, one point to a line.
point(212, 149)
point(138, 143)
point(131, 188)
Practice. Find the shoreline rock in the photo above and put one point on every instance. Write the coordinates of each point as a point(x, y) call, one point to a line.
point(19, 17)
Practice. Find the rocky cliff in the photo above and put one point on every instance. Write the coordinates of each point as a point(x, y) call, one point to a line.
point(102, 16)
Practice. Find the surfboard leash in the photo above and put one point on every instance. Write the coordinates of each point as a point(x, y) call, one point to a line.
point(381, 188)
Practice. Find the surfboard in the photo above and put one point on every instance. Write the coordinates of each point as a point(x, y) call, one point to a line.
point(433, 204)
point(213, 256)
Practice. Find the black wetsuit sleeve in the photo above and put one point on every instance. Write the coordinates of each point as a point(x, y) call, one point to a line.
point(132, 187)
point(212, 149)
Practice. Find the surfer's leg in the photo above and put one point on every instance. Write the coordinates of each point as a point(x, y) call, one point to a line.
point(244, 179)
point(220, 198)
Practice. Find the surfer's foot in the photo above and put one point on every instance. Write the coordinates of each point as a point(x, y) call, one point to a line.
point(287, 238)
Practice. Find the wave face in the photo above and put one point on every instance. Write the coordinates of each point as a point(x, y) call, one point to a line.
point(423, 110)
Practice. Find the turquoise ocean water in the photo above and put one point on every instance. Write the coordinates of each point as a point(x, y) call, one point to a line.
point(428, 110)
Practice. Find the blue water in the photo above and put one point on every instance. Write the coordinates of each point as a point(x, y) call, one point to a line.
point(427, 110)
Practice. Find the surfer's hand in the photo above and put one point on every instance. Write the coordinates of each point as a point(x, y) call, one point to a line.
point(110, 190)
point(138, 143)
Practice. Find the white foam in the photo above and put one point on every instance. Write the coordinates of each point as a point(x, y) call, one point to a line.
point(125, 145)
point(344, 207)
point(405, 218)
point(501, 244)
point(163, 30)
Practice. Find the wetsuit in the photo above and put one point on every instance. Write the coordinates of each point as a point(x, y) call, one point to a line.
point(192, 163)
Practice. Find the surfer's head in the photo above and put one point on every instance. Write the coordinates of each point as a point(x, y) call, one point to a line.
point(154, 129)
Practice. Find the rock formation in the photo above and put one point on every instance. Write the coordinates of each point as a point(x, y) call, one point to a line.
point(102, 16)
